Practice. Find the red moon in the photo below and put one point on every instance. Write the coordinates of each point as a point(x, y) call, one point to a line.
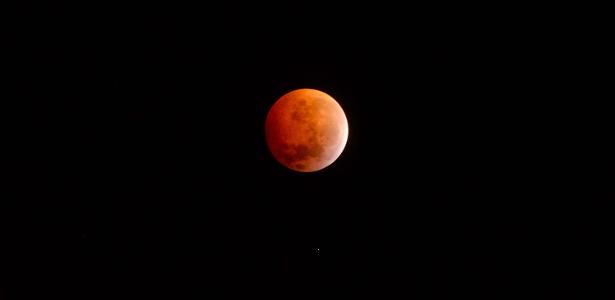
point(306, 130)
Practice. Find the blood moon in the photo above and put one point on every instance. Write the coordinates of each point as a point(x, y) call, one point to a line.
point(306, 130)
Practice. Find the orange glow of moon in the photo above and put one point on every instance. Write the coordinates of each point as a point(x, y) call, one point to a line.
point(306, 130)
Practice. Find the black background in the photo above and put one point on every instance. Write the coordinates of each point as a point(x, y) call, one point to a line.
point(477, 162)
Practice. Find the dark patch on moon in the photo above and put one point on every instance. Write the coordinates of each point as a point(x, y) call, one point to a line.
point(316, 150)
point(286, 156)
point(293, 153)
point(301, 152)
point(297, 116)
point(302, 111)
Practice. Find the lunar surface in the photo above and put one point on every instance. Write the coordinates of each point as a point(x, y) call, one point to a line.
point(306, 130)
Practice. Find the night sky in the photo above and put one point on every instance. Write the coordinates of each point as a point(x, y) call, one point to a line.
point(472, 168)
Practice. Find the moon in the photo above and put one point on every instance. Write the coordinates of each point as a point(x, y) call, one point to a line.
point(306, 130)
